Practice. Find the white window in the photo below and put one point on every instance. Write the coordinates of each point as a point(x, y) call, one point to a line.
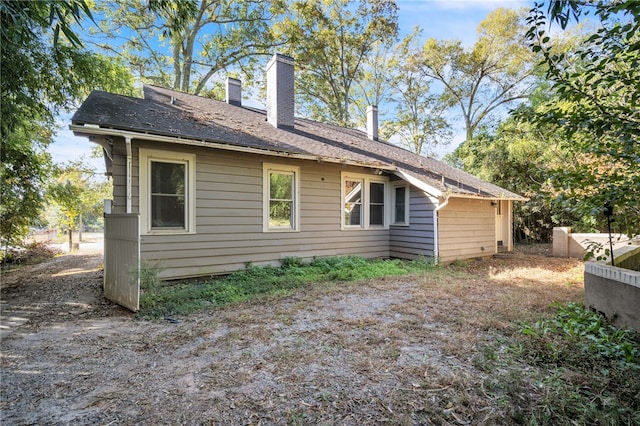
point(167, 192)
point(364, 201)
point(400, 204)
point(281, 205)
point(353, 195)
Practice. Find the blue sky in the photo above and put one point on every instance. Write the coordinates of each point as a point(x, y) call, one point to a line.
point(442, 19)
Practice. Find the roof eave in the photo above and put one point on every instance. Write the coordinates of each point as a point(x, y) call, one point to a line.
point(90, 130)
point(433, 191)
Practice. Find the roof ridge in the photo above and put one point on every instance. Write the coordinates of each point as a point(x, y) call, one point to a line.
point(195, 117)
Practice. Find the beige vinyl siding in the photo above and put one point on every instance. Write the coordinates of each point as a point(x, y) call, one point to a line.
point(415, 240)
point(229, 216)
point(466, 229)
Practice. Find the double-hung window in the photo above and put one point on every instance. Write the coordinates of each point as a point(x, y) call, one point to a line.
point(400, 204)
point(281, 209)
point(167, 192)
point(364, 201)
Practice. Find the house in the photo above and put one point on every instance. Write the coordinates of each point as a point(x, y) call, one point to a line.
point(216, 185)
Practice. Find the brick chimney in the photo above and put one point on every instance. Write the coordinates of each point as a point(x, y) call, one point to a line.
point(234, 91)
point(372, 122)
point(280, 102)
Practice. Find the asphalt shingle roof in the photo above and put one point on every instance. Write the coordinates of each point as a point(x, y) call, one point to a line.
point(165, 112)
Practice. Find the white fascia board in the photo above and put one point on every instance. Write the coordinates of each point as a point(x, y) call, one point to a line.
point(433, 191)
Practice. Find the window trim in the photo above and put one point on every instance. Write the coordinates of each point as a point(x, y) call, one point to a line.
point(366, 196)
point(407, 198)
point(267, 168)
point(362, 201)
point(146, 156)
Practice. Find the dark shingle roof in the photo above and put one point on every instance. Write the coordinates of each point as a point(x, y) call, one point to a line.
point(170, 113)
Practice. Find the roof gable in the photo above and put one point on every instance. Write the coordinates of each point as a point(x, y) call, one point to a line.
point(173, 114)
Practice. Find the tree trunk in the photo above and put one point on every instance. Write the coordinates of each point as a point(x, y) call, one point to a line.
point(70, 238)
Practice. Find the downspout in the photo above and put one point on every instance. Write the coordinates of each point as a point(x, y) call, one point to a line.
point(127, 140)
point(436, 251)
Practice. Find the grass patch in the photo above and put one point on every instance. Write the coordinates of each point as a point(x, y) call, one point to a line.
point(184, 297)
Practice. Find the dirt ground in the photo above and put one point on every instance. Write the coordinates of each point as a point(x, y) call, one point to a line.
point(399, 350)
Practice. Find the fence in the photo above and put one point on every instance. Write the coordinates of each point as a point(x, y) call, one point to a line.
point(122, 259)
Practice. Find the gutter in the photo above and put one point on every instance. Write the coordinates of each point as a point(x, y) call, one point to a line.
point(88, 131)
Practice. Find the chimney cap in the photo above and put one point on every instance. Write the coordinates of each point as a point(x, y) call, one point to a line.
point(281, 58)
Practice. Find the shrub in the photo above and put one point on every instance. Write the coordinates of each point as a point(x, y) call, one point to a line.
point(576, 332)
point(30, 254)
point(589, 369)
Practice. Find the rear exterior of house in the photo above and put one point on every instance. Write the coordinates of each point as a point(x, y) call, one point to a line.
point(229, 207)
point(216, 186)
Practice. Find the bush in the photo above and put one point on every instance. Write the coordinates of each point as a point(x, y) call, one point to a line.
point(589, 369)
point(576, 332)
point(184, 297)
point(30, 254)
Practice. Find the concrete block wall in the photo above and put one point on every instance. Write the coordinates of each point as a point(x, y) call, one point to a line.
point(569, 244)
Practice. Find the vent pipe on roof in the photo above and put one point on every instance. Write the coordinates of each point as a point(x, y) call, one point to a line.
point(234, 91)
point(372, 122)
point(280, 101)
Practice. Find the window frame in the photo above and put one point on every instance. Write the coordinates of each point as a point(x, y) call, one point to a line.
point(366, 197)
point(267, 169)
point(146, 157)
point(361, 203)
point(407, 198)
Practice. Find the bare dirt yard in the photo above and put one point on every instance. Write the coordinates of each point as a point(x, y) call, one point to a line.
point(403, 350)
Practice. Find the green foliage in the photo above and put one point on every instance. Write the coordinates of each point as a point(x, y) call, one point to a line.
point(590, 370)
point(577, 333)
point(497, 70)
point(149, 275)
point(183, 44)
point(75, 191)
point(596, 104)
point(330, 40)
point(43, 70)
point(184, 297)
point(28, 255)
point(419, 120)
point(24, 164)
point(520, 157)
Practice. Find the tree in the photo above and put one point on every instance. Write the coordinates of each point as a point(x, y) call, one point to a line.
point(372, 88)
point(496, 71)
point(44, 70)
point(76, 193)
point(419, 119)
point(597, 92)
point(330, 40)
point(519, 156)
point(183, 44)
